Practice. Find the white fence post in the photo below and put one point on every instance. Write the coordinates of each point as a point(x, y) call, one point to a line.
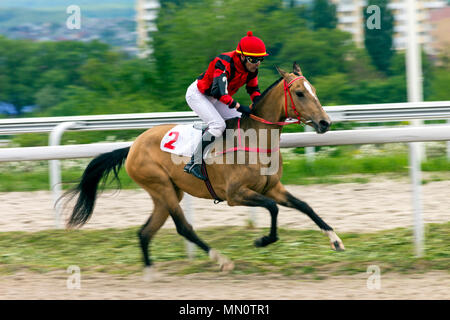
point(415, 94)
point(188, 209)
point(55, 169)
point(253, 216)
point(448, 144)
point(416, 181)
point(309, 151)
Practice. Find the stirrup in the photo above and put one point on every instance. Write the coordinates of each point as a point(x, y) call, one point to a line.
point(196, 171)
point(188, 167)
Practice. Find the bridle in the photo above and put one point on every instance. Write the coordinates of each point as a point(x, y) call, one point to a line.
point(287, 92)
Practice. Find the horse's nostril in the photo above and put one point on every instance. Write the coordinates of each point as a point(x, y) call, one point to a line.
point(324, 124)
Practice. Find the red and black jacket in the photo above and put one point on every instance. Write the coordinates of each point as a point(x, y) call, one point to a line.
point(224, 76)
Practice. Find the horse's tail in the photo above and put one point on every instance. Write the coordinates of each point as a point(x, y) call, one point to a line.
point(98, 169)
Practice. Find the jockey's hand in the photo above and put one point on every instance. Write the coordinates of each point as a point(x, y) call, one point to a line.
point(243, 109)
point(256, 99)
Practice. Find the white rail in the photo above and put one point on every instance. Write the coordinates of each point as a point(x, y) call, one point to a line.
point(288, 140)
point(360, 113)
point(390, 112)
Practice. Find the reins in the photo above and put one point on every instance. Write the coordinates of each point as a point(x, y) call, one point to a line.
point(286, 92)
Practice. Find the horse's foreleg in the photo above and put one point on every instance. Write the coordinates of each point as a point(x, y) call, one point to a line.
point(283, 197)
point(251, 198)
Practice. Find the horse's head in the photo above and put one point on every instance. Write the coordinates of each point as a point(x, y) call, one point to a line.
point(306, 105)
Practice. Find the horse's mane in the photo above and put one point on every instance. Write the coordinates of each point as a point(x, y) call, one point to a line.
point(268, 89)
point(232, 123)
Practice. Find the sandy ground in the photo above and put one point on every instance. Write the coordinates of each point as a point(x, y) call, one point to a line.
point(433, 285)
point(378, 205)
point(381, 204)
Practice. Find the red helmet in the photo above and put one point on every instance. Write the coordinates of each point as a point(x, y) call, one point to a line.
point(251, 46)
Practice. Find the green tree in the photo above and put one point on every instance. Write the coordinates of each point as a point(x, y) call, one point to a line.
point(16, 73)
point(183, 46)
point(28, 67)
point(47, 97)
point(324, 14)
point(398, 69)
point(74, 78)
point(322, 52)
point(378, 33)
point(441, 78)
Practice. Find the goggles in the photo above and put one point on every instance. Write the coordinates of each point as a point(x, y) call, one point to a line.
point(254, 60)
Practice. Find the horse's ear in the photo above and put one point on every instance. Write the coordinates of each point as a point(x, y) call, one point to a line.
point(297, 69)
point(283, 73)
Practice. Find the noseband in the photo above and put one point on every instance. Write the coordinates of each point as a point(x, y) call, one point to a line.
point(286, 93)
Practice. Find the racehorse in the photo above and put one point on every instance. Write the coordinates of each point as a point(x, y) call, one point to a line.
point(291, 96)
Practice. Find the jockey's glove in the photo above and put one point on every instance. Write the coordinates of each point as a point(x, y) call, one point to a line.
point(244, 109)
point(256, 99)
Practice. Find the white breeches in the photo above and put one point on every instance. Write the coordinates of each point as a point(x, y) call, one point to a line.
point(210, 110)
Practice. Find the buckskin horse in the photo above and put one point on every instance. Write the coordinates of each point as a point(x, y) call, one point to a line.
point(290, 97)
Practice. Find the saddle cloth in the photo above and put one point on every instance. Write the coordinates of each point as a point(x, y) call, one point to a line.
point(182, 139)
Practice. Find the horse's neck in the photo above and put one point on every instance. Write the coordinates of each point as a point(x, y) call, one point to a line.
point(270, 108)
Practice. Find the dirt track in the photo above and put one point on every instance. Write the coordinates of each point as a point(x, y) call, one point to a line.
point(377, 205)
point(433, 285)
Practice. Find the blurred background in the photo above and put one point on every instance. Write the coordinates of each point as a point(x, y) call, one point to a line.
point(139, 56)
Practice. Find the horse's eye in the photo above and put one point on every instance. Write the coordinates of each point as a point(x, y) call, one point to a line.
point(299, 94)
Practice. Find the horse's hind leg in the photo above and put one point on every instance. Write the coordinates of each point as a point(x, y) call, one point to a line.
point(283, 197)
point(149, 229)
point(154, 223)
point(187, 231)
point(166, 198)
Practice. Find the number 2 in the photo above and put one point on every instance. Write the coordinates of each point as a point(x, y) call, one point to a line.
point(169, 145)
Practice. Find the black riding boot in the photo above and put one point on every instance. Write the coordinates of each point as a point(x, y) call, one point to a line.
point(194, 166)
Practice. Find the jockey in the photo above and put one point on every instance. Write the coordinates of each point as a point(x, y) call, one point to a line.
point(210, 96)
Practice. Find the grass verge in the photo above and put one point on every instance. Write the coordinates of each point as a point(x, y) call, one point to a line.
point(297, 253)
point(295, 171)
point(331, 169)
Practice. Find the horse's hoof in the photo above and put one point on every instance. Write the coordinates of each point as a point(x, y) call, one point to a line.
point(227, 266)
point(150, 274)
point(338, 246)
point(335, 241)
point(258, 243)
point(264, 241)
